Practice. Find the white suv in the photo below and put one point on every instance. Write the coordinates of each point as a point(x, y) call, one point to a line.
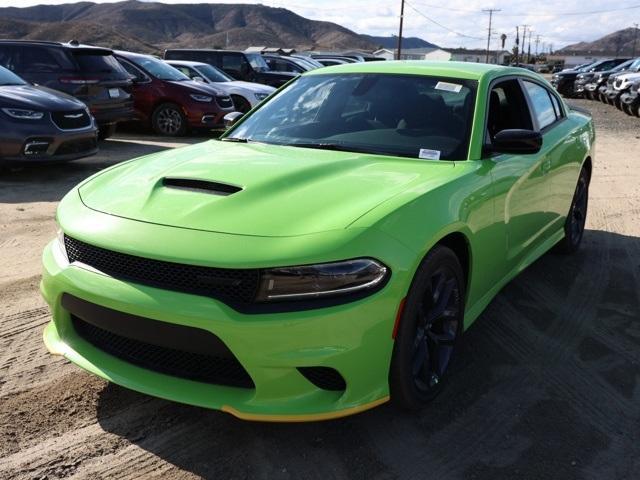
point(245, 95)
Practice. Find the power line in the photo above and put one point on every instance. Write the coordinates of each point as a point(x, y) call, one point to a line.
point(439, 24)
point(528, 14)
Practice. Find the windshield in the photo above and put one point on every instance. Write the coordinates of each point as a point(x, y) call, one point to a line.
point(158, 69)
point(7, 77)
point(635, 65)
point(257, 62)
point(402, 115)
point(213, 74)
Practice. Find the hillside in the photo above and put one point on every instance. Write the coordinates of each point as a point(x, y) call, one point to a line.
point(392, 42)
point(149, 26)
point(616, 43)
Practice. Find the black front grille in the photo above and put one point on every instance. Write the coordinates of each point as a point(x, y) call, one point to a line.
point(325, 378)
point(170, 349)
point(224, 284)
point(77, 146)
point(71, 120)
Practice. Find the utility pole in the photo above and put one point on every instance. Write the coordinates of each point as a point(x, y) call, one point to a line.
point(635, 37)
point(524, 41)
point(490, 10)
point(529, 51)
point(400, 32)
point(537, 42)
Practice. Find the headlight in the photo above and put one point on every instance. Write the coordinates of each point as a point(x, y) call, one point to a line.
point(23, 114)
point(321, 280)
point(261, 96)
point(201, 98)
point(555, 77)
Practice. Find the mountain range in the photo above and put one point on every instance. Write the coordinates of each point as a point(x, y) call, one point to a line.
point(618, 43)
point(150, 27)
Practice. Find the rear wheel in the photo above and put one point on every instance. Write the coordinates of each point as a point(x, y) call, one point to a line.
point(169, 120)
point(575, 222)
point(429, 330)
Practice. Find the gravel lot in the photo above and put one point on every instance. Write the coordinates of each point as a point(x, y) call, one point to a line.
point(547, 386)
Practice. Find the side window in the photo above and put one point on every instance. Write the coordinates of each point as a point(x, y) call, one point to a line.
point(543, 109)
point(187, 71)
point(557, 106)
point(507, 109)
point(133, 71)
point(42, 60)
point(234, 64)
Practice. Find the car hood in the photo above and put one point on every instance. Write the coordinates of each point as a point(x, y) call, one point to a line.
point(37, 98)
point(198, 87)
point(283, 191)
point(253, 87)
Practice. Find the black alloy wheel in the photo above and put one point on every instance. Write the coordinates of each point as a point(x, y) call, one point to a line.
point(576, 220)
point(169, 120)
point(429, 330)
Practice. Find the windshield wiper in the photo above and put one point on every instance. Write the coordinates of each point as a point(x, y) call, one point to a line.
point(332, 146)
point(235, 139)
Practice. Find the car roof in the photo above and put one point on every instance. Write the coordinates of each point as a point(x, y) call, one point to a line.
point(463, 70)
point(188, 63)
point(47, 43)
point(204, 50)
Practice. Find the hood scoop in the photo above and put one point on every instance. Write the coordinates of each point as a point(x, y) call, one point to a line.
point(201, 186)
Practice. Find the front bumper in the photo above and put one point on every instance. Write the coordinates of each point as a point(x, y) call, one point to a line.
point(630, 98)
point(353, 338)
point(45, 143)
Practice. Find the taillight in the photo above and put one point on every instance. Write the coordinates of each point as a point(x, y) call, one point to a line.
point(79, 80)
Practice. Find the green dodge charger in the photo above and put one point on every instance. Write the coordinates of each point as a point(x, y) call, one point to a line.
point(325, 255)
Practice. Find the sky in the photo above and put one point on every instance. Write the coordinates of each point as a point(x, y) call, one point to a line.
point(457, 23)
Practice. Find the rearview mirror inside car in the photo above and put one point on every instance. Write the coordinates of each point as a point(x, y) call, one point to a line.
point(516, 141)
point(231, 118)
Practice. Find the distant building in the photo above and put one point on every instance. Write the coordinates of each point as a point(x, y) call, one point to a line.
point(500, 57)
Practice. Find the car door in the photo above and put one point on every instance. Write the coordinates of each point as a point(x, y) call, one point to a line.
point(561, 150)
point(144, 94)
point(520, 185)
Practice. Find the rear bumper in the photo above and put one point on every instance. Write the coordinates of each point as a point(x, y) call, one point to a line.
point(106, 114)
point(24, 144)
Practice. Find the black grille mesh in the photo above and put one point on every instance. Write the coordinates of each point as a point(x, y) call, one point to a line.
point(71, 120)
point(324, 377)
point(192, 366)
point(224, 284)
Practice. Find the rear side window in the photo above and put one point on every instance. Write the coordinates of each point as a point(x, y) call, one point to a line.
point(41, 60)
point(96, 62)
point(543, 109)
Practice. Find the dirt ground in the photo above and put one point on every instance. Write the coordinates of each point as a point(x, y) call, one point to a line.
point(547, 385)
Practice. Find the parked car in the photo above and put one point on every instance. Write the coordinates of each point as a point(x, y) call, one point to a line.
point(38, 124)
point(327, 56)
point(620, 84)
point(584, 78)
point(593, 82)
point(324, 255)
point(245, 95)
point(90, 74)
point(169, 101)
point(329, 62)
point(630, 99)
point(283, 63)
point(308, 59)
point(564, 82)
point(250, 67)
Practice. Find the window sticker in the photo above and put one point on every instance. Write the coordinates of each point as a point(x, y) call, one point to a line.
point(448, 87)
point(427, 154)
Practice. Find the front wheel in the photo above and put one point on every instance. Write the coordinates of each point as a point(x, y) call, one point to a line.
point(169, 120)
point(429, 329)
point(576, 220)
point(242, 104)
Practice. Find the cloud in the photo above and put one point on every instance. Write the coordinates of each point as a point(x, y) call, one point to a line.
point(380, 17)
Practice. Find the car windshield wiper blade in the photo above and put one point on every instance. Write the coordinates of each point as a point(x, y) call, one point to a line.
point(332, 146)
point(235, 139)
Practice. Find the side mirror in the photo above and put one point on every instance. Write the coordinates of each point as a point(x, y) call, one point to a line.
point(198, 79)
point(516, 141)
point(231, 118)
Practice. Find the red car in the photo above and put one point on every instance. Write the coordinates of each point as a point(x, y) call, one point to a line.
point(169, 101)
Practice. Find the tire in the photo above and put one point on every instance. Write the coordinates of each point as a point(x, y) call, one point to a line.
point(424, 330)
point(627, 109)
point(169, 120)
point(577, 217)
point(106, 131)
point(242, 104)
point(635, 109)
